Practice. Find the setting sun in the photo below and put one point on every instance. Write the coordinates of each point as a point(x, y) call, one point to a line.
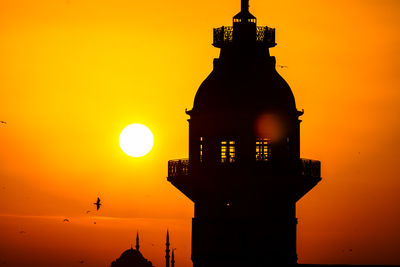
point(93, 101)
point(136, 140)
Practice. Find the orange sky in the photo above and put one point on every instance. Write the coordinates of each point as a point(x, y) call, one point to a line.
point(74, 73)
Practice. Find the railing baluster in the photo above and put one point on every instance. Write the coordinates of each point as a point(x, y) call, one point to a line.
point(178, 167)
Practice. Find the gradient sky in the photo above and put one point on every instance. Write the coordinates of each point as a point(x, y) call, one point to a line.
point(74, 73)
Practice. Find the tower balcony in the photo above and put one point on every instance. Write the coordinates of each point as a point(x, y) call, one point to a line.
point(181, 168)
point(193, 181)
point(224, 36)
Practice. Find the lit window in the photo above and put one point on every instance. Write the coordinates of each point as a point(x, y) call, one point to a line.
point(201, 149)
point(228, 151)
point(263, 149)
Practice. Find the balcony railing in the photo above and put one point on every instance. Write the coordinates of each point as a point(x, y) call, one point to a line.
point(224, 35)
point(180, 167)
point(265, 35)
point(311, 168)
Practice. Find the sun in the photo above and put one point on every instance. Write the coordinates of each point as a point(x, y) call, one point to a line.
point(136, 140)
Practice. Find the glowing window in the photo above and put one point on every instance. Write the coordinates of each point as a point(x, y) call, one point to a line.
point(201, 149)
point(228, 151)
point(263, 149)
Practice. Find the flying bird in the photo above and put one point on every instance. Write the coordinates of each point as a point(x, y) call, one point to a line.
point(66, 220)
point(97, 203)
point(4, 122)
point(87, 211)
point(282, 66)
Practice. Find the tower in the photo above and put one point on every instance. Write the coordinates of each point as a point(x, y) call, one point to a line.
point(167, 250)
point(137, 241)
point(244, 172)
point(173, 258)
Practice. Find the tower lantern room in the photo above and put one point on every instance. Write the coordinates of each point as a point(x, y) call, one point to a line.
point(244, 172)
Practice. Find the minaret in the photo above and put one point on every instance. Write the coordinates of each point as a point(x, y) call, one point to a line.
point(167, 251)
point(173, 259)
point(137, 241)
point(244, 172)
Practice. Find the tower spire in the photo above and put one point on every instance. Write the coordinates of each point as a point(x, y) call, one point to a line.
point(245, 6)
point(167, 251)
point(173, 258)
point(137, 240)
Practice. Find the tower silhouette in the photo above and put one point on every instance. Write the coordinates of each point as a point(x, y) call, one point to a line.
point(244, 172)
point(137, 241)
point(167, 250)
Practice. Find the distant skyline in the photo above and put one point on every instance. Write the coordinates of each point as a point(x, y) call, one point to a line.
point(74, 73)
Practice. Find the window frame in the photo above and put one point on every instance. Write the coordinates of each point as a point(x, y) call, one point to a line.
point(263, 149)
point(227, 151)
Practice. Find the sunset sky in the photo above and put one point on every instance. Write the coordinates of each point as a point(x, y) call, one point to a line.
point(74, 73)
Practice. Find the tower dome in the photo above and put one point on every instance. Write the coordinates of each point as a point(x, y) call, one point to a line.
point(255, 87)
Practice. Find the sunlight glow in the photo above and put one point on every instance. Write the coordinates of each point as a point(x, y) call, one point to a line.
point(136, 140)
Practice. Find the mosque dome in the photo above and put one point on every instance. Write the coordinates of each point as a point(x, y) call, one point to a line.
point(132, 258)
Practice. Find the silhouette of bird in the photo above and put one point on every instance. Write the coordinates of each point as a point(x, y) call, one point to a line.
point(4, 122)
point(66, 220)
point(97, 203)
point(281, 66)
point(87, 211)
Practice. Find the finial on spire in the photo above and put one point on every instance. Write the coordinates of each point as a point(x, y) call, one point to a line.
point(137, 240)
point(245, 6)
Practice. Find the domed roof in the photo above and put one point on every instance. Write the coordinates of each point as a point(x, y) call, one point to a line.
point(131, 253)
point(133, 258)
point(250, 88)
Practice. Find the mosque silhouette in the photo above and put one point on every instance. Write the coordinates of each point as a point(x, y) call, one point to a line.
point(134, 258)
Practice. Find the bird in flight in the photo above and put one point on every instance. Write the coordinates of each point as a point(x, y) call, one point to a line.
point(282, 66)
point(66, 220)
point(97, 203)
